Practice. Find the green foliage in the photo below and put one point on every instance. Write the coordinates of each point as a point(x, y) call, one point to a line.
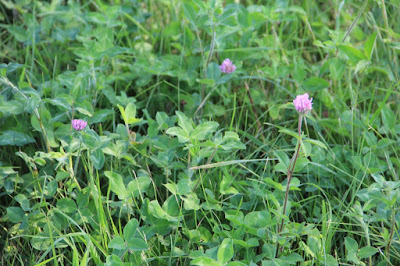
point(183, 164)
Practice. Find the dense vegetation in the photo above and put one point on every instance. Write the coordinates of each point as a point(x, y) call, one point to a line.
point(182, 163)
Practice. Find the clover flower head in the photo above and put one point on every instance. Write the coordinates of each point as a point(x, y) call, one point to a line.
point(303, 104)
point(227, 66)
point(78, 124)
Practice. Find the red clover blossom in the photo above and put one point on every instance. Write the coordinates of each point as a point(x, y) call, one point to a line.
point(227, 66)
point(78, 124)
point(303, 104)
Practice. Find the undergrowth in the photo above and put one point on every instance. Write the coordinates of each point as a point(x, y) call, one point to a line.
point(182, 164)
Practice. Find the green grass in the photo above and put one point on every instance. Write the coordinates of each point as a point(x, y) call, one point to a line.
point(182, 164)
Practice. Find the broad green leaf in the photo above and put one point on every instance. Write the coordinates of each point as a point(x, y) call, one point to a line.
point(52, 188)
point(182, 135)
point(316, 142)
point(337, 67)
point(352, 53)
point(366, 252)
point(300, 164)
point(117, 184)
point(191, 202)
point(185, 186)
point(213, 71)
point(137, 186)
point(122, 111)
point(230, 135)
point(388, 117)
point(66, 205)
point(15, 214)
point(158, 212)
point(41, 242)
point(206, 81)
point(97, 157)
point(117, 243)
point(289, 132)
point(258, 219)
point(283, 158)
point(12, 107)
point(292, 259)
point(130, 114)
point(226, 187)
point(236, 263)
point(203, 130)
point(225, 251)
point(273, 184)
point(369, 45)
point(137, 244)
point(205, 261)
point(351, 244)
point(113, 260)
point(315, 84)
point(10, 137)
point(331, 261)
point(184, 122)
point(130, 229)
point(190, 12)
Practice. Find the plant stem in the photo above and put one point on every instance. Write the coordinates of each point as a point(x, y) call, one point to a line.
point(76, 164)
point(290, 171)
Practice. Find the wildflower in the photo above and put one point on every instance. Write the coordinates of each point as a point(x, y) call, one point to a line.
point(78, 124)
point(227, 66)
point(303, 104)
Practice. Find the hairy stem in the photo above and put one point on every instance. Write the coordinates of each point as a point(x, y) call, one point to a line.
point(290, 171)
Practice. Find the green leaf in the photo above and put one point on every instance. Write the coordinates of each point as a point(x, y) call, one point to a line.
point(337, 67)
point(122, 110)
point(15, 214)
point(273, 184)
point(97, 157)
point(117, 243)
point(258, 219)
point(130, 114)
point(23, 201)
point(289, 132)
point(366, 252)
point(316, 142)
point(331, 261)
point(184, 122)
point(315, 84)
point(113, 260)
point(190, 12)
point(292, 259)
point(10, 137)
point(191, 202)
point(213, 71)
point(130, 229)
point(158, 212)
point(206, 81)
point(352, 53)
point(300, 164)
point(369, 45)
point(388, 117)
point(138, 186)
point(283, 158)
point(117, 184)
point(205, 261)
point(66, 205)
point(351, 244)
point(137, 244)
point(203, 130)
point(225, 251)
point(182, 135)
